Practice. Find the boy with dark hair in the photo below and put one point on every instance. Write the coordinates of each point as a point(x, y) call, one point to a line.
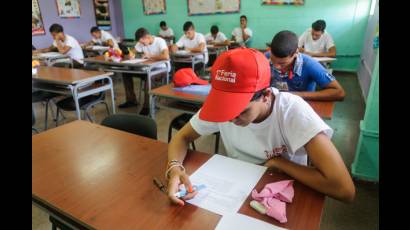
point(216, 37)
point(242, 34)
point(153, 48)
point(299, 73)
point(165, 32)
point(191, 41)
point(102, 37)
point(64, 44)
point(316, 42)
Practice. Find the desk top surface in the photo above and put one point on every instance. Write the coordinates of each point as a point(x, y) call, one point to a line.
point(323, 108)
point(101, 60)
point(65, 75)
point(103, 178)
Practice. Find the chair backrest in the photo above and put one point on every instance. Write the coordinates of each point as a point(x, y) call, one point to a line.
point(132, 123)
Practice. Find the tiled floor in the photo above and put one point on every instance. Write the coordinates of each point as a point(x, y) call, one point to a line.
point(361, 214)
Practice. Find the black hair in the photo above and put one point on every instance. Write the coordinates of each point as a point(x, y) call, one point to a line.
point(214, 29)
point(284, 44)
point(319, 25)
point(188, 25)
point(94, 29)
point(141, 32)
point(56, 28)
point(244, 16)
point(162, 23)
point(258, 94)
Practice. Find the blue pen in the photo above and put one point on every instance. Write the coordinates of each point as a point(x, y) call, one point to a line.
point(183, 192)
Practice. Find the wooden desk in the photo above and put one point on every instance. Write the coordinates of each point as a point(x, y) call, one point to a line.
point(72, 82)
point(49, 58)
point(323, 108)
point(189, 57)
point(94, 177)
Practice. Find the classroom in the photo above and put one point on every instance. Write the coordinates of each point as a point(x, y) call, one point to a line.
point(205, 114)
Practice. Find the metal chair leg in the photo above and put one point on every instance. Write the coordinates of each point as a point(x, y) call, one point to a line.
point(217, 135)
point(106, 107)
point(58, 112)
point(169, 133)
point(46, 116)
point(193, 146)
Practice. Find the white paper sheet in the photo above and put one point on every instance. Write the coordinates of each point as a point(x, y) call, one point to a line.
point(324, 59)
point(239, 221)
point(50, 54)
point(100, 48)
point(228, 183)
point(182, 52)
point(135, 61)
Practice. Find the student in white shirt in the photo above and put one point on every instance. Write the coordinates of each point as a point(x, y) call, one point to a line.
point(316, 42)
point(165, 32)
point(102, 38)
point(242, 34)
point(153, 48)
point(261, 125)
point(65, 44)
point(193, 42)
point(215, 37)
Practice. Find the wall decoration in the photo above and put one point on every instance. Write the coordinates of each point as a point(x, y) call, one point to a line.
point(37, 26)
point(154, 7)
point(102, 14)
point(206, 7)
point(68, 8)
point(283, 2)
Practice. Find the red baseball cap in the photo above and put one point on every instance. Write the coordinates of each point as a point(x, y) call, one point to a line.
point(186, 76)
point(236, 75)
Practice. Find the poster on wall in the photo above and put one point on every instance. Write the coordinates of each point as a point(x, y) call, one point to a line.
point(68, 8)
point(102, 14)
point(37, 26)
point(206, 7)
point(154, 7)
point(283, 2)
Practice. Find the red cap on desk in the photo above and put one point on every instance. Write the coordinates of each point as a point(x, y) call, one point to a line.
point(186, 76)
point(236, 75)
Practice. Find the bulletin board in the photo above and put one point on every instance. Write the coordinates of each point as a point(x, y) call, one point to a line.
point(154, 7)
point(37, 26)
point(206, 7)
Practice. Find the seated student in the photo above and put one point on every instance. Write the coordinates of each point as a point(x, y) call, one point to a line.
point(242, 34)
point(165, 32)
point(283, 128)
point(299, 73)
point(153, 48)
point(102, 38)
point(316, 42)
point(193, 42)
point(65, 44)
point(216, 37)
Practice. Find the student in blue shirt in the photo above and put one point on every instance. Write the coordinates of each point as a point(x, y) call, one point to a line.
point(300, 73)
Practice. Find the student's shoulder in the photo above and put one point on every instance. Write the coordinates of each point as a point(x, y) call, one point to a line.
point(290, 102)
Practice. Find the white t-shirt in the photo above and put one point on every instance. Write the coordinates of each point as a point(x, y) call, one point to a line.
point(105, 36)
point(289, 127)
point(166, 33)
point(237, 32)
point(188, 43)
point(155, 49)
point(323, 44)
point(76, 52)
point(220, 37)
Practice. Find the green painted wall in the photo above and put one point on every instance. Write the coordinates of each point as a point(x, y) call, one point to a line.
point(346, 22)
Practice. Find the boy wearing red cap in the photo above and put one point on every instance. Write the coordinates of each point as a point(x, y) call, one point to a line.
point(283, 128)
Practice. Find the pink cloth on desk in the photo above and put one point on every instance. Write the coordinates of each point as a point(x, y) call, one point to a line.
point(273, 196)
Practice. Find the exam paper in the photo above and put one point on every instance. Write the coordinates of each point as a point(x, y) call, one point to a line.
point(101, 48)
point(228, 183)
point(239, 221)
point(135, 61)
point(49, 54)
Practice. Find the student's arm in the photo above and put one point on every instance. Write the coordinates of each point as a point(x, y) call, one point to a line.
point(163, 56)
point(199, 48)
point(174, 48)
point(109, 43)
point(61, 48)
point(245, 36)
point(331, 92)
point(179, 43)
point(177, 150)
point(329, 176)
point(330, 53)
point(49, 49)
